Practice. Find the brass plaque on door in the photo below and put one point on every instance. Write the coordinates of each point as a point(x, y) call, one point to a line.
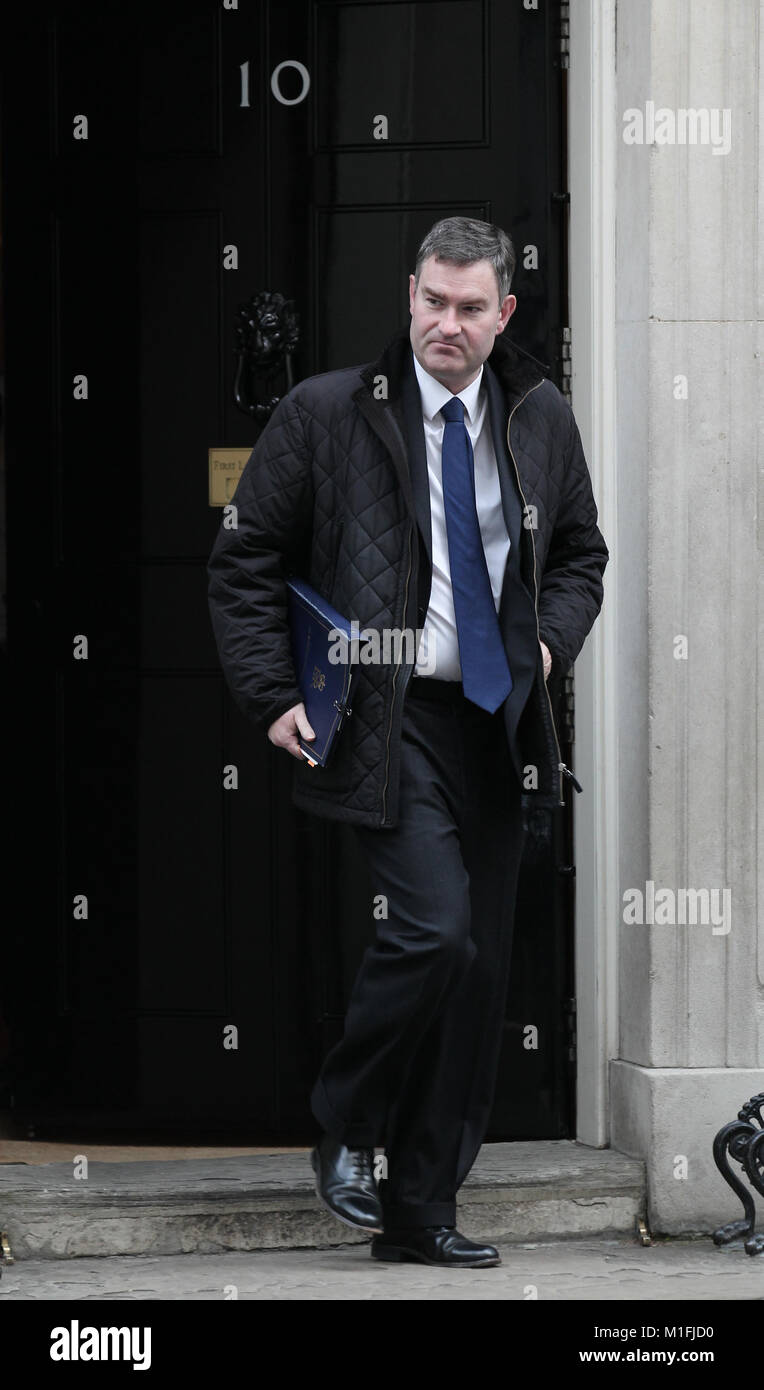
point(226, 467)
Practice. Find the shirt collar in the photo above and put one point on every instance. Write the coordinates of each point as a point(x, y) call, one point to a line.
point(434, 394)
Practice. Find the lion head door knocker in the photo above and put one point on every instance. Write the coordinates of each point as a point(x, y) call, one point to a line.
point(267, 330)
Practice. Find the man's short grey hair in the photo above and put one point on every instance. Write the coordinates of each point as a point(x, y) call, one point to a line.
point(464, 240)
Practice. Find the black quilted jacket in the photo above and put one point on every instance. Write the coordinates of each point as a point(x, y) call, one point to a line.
point(334, 493)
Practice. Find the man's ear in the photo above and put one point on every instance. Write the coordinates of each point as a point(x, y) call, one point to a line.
point(507, 309)
point(412, 292)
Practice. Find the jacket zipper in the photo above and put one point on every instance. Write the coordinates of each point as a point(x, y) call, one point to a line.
point(395, 677)
point(560, 764)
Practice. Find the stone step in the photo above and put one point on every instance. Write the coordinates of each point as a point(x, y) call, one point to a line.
point(520, 1191)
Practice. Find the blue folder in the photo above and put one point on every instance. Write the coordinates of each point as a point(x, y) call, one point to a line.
point(326, 686)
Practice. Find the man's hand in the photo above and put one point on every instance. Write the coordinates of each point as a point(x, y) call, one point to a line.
point(547, 655)
point(284, 730)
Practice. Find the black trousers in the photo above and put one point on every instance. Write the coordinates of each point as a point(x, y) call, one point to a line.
point(415, 1071)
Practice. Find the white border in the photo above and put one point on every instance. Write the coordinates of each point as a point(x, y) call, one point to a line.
point(592, 182)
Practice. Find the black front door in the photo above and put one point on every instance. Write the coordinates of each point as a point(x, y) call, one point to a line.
point(189, 938)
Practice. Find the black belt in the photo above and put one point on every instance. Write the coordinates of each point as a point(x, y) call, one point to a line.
point(429, 688)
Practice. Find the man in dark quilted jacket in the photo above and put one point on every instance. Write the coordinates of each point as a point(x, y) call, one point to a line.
point(442, 492)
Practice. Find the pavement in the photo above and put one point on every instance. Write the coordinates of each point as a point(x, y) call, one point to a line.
point(597, 1269)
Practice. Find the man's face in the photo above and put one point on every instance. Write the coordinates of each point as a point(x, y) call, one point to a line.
point(455, 316)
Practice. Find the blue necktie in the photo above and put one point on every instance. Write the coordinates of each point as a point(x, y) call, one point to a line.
point(486, 677)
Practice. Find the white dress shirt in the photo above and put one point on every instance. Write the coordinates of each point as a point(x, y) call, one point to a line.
point(438, 652)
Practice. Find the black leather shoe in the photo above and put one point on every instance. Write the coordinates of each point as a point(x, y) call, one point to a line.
point(435, 1245)
point(345, 1183)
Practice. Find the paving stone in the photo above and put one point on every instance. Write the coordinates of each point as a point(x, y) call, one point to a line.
point(570, 1270)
